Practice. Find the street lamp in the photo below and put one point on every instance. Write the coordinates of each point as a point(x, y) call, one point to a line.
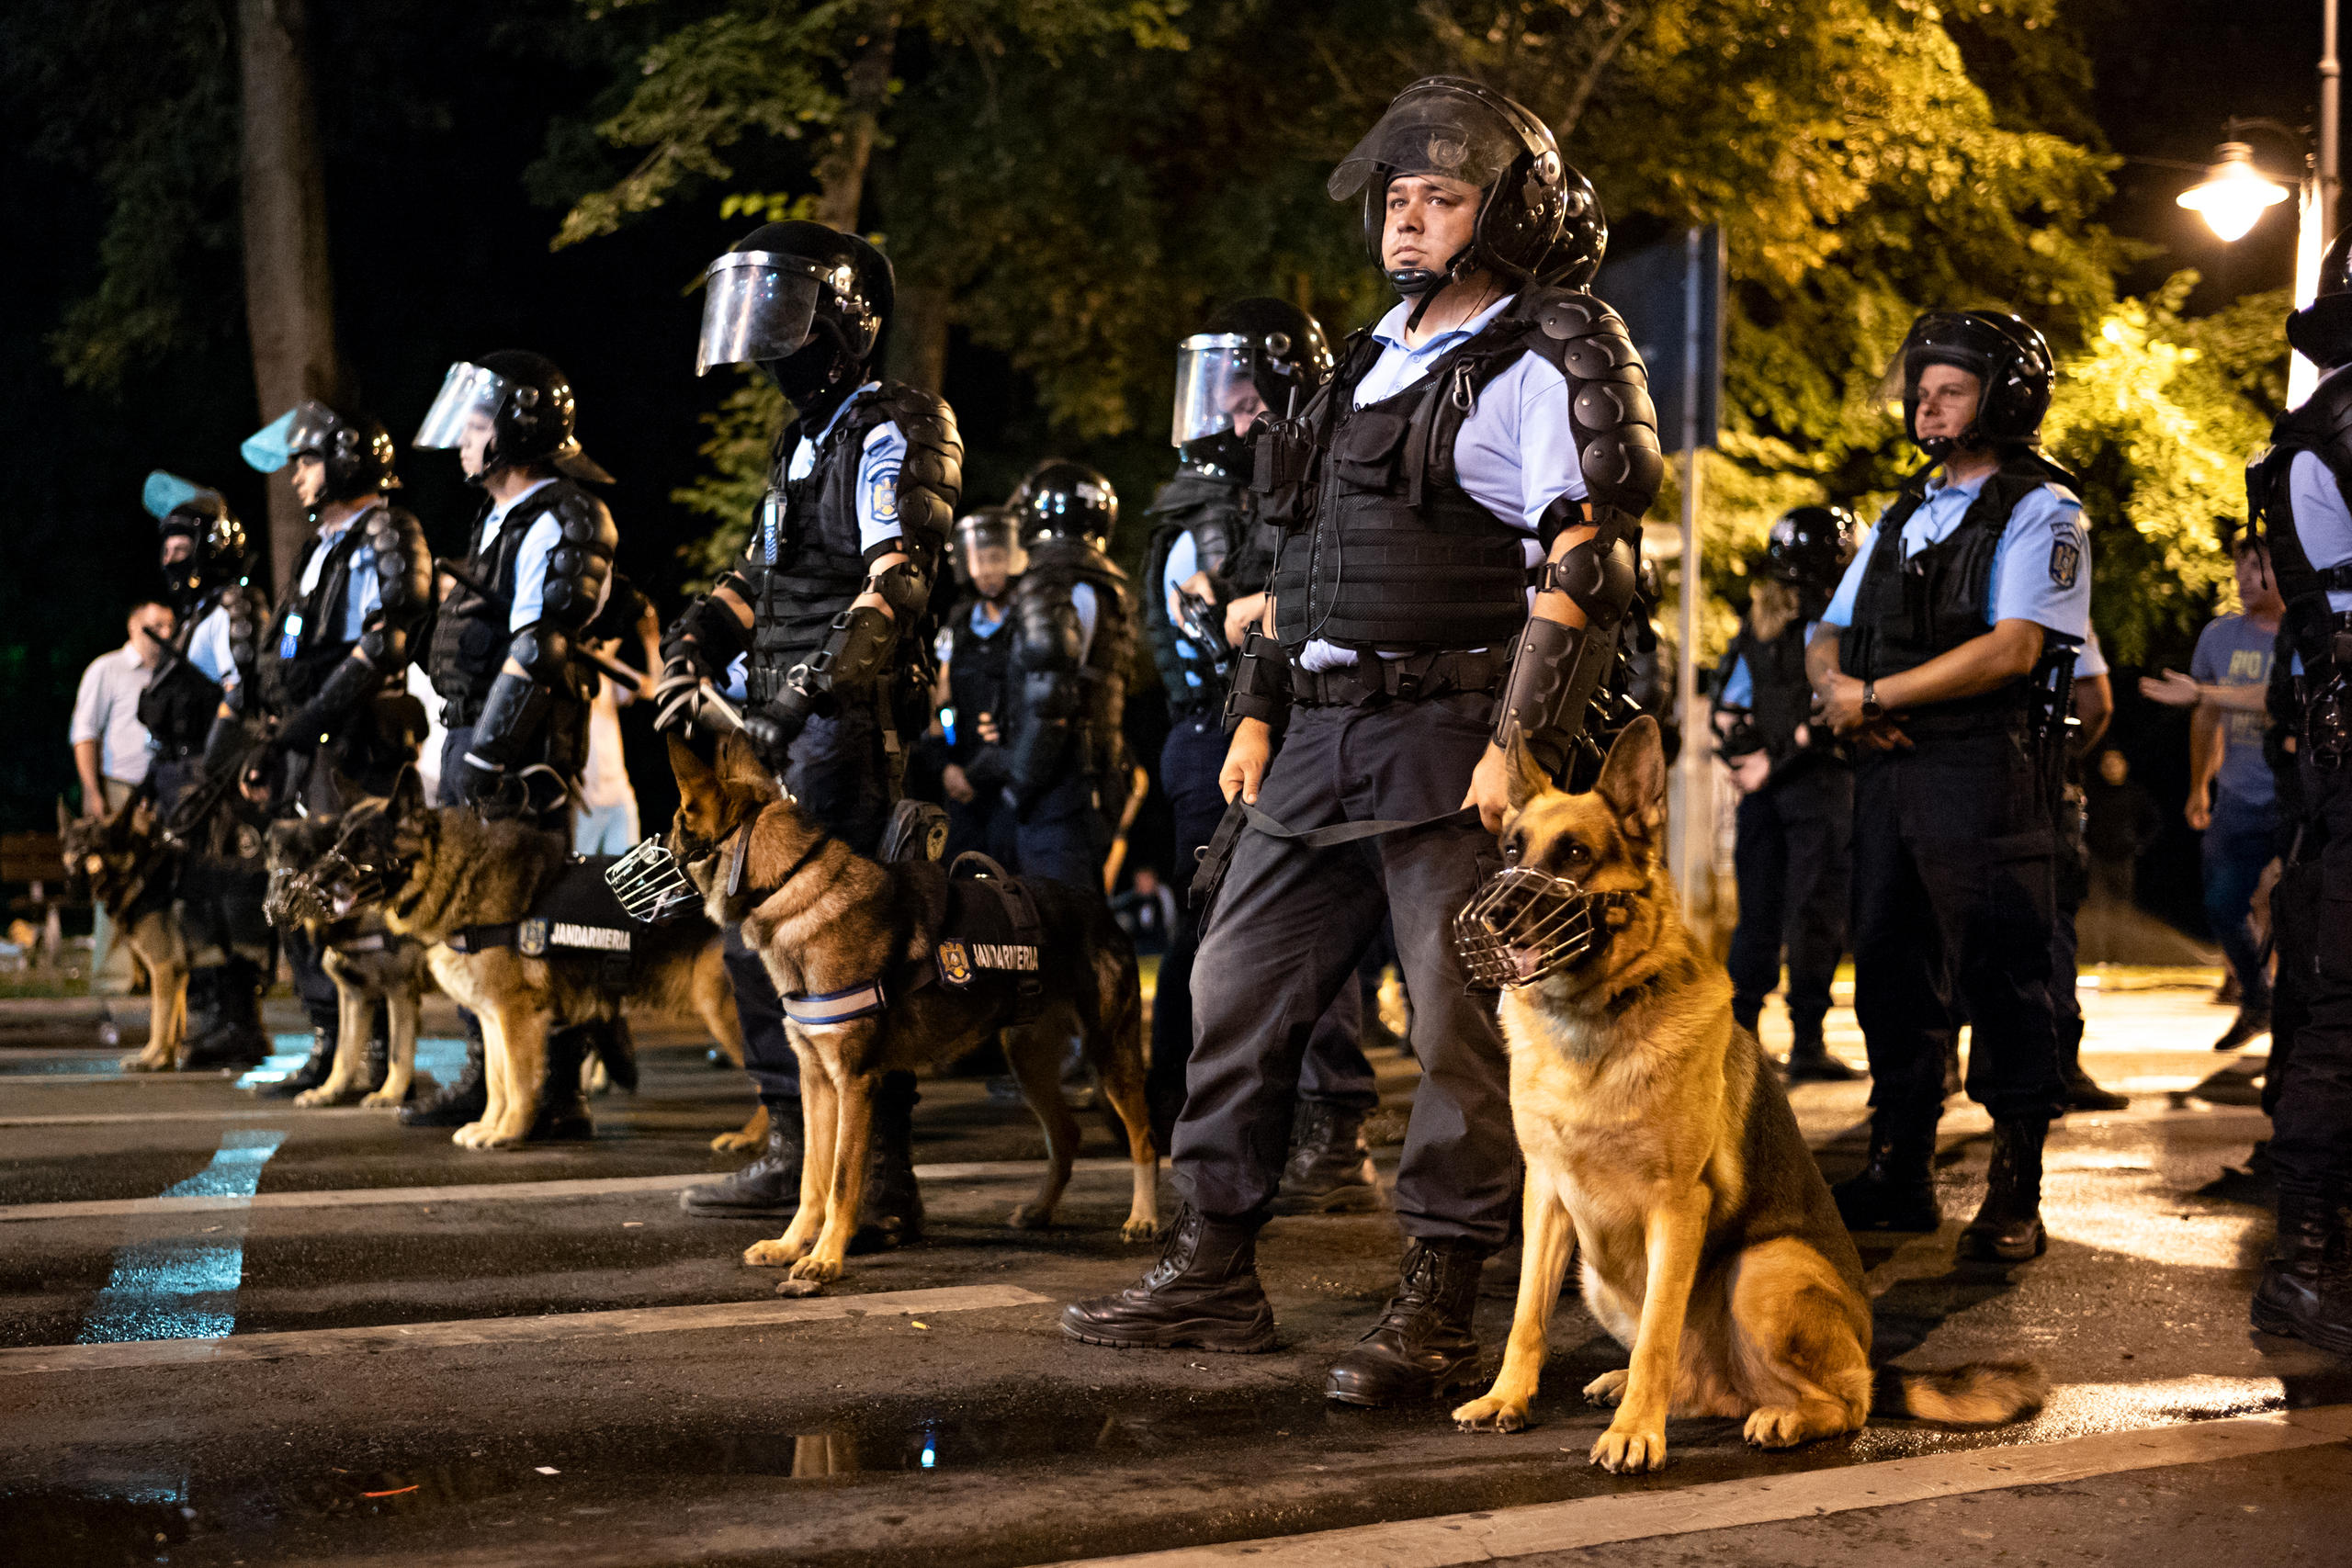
point(2234, 193)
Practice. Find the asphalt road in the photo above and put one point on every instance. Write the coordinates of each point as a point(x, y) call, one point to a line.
point(234, 1332)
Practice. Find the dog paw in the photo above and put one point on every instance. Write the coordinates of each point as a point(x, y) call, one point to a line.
point(311, 1099)
point(382, 1099)
point(1029, 1217)
point(141, 1062)
point(819, 1269)
point(733, 1143)
point(771, 1254)
point(1139, 1230)
point(1775, 1426)
point(1491, 1414)
point(1606, 1389)
point(1626, 1450)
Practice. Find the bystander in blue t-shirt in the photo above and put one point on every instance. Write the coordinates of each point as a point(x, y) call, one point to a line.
point(2234, 652)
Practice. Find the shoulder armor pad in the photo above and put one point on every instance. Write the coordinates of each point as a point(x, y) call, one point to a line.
point(931, 476)
point(583, 520)
point(1609, 398)
point(1566, 313)
point(403, 560)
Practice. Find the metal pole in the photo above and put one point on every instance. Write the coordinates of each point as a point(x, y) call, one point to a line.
point(2331, 76)
point(1693, 841)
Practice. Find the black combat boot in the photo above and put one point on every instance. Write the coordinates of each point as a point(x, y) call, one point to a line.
point(1204, 1293)
point(617, 1048)
point(770, 1185)
point(2083, 1092)
point(1424, 1344)
point(1896, 1191)
point(1809, 1058)
point(563, 1115)
point(222, 1031)
point(1747, 1011)
point(460, 1102)
point(1329, 1170)
point(310, 1074)
point(2306, 1287)
point(2008, 1228)
point(891, 1216)
point(2250, 1024)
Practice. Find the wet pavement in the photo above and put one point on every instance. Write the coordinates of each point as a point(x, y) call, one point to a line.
point(234, 1332)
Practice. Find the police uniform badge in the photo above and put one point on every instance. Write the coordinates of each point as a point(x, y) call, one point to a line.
point(954, 965)
point(884, 495)
point(2065, 562)
point(531, 938)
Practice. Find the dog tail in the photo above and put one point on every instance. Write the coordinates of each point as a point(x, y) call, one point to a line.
point(1981, 1393)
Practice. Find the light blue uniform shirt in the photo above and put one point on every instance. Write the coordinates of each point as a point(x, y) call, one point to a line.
point(877, 471)
point(531, 560)
point(1739, 685)
point(209, 649)
point(1516, 454)
point(361, 593)
point(2043, 544)
point(1183, 560)
point(2322, 521)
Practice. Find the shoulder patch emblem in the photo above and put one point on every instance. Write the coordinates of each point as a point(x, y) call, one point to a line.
point(955, 966)
point(885, 494)
point(2065, 562)
point(531, 938)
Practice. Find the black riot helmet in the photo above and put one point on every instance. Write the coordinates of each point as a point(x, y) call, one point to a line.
point(1810, 546)
point(1256, 356)
point(1062, 499)
point(806, 302)
point(191, 512)
point(987, 540)
point(525, 402)
point(2322, 331)
point(2008, 358)
point(354, 446)
point(1539, 220)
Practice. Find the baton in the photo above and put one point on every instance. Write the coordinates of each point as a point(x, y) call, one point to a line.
point(613, 667)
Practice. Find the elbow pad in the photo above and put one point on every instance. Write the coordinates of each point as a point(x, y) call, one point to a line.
point(708, 632)
point(543, 649)
point(1041, 739)
point(905, 587)
point(510, 718)
point(856, 653)
point(350, 683)
point(1554, 676)
point(1261, 684)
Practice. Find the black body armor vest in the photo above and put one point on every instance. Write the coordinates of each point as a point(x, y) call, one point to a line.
point(1781, 697)
point(1092, 697)
point(471, 633)
point(2320, 636)
point(177, 707)
point(1909, 611)
point(298, 653)
point(1387, 551)
point(807, 559)
point(1235, 548)
point(979, 670)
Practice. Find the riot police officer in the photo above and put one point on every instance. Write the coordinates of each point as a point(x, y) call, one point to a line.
point(826, 607)
point(976, 656)
point(2299, 490)
point(1946, 660)
point(1064, 753)
point(331, 681)
point(515, 696)
point(1206, 571)
point(1796, 804)
point(219, 898)
point(2094, 707)
point(1492, 435)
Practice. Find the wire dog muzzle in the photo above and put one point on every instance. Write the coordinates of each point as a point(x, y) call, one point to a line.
point(652, 885)
point(1523, 924)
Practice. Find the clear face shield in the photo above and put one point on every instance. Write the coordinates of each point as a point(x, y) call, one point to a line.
point(299, 431)
point(1432, 130)
point(758, 305)
point(989, 551)
point(463, 412)
point(1214, 390)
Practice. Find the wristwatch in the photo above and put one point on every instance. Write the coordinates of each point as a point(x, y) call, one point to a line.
point(1871, 710)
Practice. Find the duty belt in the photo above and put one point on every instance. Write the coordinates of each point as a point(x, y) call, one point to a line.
point(1414, 678)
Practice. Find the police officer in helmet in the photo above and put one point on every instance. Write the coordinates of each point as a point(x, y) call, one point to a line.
point(827, 608)
point(215, 651)
point(1946, 659)
point(976, 656)
point(1064, 754)
point(1797, 788)
point(1206, 571)
point(1492, 435)
point(2299, 490)
point(515, 699)
point(331, 680)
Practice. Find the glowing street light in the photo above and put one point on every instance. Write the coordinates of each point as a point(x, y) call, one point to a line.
point(2233, 194)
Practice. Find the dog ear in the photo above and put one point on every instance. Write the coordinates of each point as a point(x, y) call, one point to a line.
point(65, 818)
point(693, 775)
point(741, 766)
point(1528, 779)
point(1633, 781)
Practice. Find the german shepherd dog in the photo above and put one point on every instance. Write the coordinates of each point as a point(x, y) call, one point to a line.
point(368, 964)
point(1661, 1144)
point(125, 862)
point(824, 919)
point(432, 873)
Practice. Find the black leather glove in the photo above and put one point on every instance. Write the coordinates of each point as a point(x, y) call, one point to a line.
point(773, 729)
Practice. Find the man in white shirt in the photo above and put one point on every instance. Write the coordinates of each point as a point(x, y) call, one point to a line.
point(111, 754)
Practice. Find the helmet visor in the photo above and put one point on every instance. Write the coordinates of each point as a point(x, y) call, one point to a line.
point(167, 493)
point(989, 543)
point(467, 393)
point(1215, 390)
point(304, 428)
point(756, 305)
point(1433, 129)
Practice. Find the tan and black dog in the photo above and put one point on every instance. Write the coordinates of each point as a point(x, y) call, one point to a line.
point(829, 923)
point(437, 875)
point(1661, 1144)
point(368, 964)
point(129, 868)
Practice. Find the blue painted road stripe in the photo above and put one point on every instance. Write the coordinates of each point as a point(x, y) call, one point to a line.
point(186, 1287)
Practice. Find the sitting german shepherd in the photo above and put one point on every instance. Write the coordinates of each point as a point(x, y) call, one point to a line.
point(368, 964)
point(827, 923)
point(1659, 1143)
point(436, 875)
point(129, 868)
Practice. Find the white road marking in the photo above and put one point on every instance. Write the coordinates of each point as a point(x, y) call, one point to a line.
point(508, 1330)
point(480, 1193)
point(124, 1118)
point(1500, 1534)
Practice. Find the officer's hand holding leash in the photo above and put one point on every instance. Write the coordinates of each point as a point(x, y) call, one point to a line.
point(1245, 757)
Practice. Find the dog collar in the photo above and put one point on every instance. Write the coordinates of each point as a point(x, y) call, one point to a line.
point(833, 1007)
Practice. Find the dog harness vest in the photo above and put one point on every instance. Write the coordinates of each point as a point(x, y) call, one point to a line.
point(578, 914)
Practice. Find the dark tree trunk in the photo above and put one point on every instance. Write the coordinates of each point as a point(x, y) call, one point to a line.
point(918, 353)
point(842, 171)
point(289, 302)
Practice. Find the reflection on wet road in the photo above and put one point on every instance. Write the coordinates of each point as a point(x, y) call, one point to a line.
point(186, 1287)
